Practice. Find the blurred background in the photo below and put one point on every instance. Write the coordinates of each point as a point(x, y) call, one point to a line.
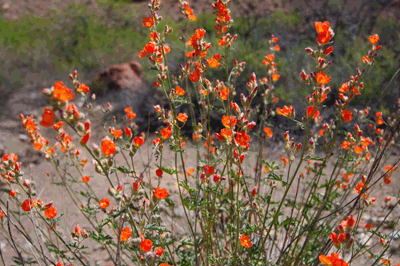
point(42, 41)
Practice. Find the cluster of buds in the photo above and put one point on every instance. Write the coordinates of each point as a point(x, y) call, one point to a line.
point(162, 76)
point(154, 5)
point(223, 22)
point(165, 116)
point(252, 88)
point(11, 168)
point(271, 67)
point(37, 139)
point(59, 95)
point(290, 146)
point(72, 114)
point(344, 239)
point(79, 233)
point(197, 42)
point(185, 70)
point(227, 40)
point(186, 10)
point(272, 46)
point(176, 92)
point(319, 95)
point(208, 171)
point(85, 130)
point(363, 114)
point(221, 90)
point(238, 157)
point(369, 59)
point(327, 128)
point(349, 89)
point(117, 193)
point(79, 88)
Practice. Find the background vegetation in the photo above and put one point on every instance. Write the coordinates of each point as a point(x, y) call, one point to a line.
point(89, 36)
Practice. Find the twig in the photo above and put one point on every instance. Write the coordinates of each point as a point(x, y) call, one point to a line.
point(11, 236)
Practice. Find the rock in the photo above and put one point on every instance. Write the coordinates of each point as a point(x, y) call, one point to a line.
point(122, 86)
point(126, 76)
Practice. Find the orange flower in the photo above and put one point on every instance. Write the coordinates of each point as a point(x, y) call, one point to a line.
point(142, 54)
point(13, 193)
point(213, 63)
point(333, 236)
point(379, 119)
point(286, 111)
point(150, 47)
point(275, 77)
point(107, 147)
point(159, 172)
point(358, 149)
point(182, 117)
point(223, 93)
point(346, 115)
point(117, 133)
point(85, 179)
point(195, 76)
point(61, 92)
point(328, 50)
point(228, 121)
point(7, 157)
point(146, 245)
point(324, 37)
point(51, 212)
point(322, 78)
point(160, 193)
point(47, 118)
point(332, 260)
point(136, 185)
point(277, 48)
point(85, 138)
point(344, 88)
point(58, 125)
point(125, 234)
point(159, 251)
point(27, 205)
point(358, 187)
point(242, 138)
point(128, 131)
point(164, 264)
point(129, 113)
point(139, 141)
point(226, 133)
point(83, 88)
point(374, 39)
point(180, 91)
point(268, 132)
point(311, 112)
point(245, 241)
point(148, 22)
point(222, 41)
point(30, 125)
point(208, 170)
point(104, 203)
point(322, 26)
point(167, 49)
point(166, 132)
point(285, 161)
